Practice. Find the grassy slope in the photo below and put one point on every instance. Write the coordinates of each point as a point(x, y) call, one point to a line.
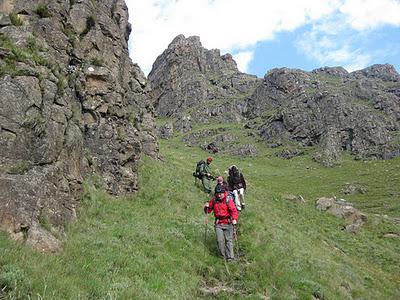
point(151, 246)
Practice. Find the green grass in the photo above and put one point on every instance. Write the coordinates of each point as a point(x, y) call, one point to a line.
point(16, 19)
point(17, 54)
point(42, 11)
point(151, 246)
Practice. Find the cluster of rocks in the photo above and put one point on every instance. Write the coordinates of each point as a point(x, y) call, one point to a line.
point(219, 140)
point(288, 153)
point(351, 189)
point(72, 104)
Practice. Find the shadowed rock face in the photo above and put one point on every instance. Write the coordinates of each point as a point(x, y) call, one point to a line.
point(72, 104)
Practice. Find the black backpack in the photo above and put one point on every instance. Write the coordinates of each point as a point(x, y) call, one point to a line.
point(234, 176)
point(199, 169)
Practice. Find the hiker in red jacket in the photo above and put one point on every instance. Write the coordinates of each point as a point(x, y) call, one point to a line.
point(226, 217)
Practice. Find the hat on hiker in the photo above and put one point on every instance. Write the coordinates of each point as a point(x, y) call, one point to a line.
point(209, 159)
point(219, 189)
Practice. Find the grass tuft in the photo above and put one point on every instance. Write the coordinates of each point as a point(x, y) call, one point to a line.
point(42, 11)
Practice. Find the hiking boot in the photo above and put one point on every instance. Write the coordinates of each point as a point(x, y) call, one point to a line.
point(243, 205)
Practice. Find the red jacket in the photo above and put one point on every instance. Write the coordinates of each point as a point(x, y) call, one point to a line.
point(224, 213)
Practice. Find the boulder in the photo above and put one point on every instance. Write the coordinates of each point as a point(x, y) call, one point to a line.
point(166, 131)
point(342, 209)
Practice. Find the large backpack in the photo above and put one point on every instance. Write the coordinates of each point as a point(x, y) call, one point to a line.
point(231, 195)
point(235, 179)
point(199, 169)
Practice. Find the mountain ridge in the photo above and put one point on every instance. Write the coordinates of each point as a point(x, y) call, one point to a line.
point(329, 107)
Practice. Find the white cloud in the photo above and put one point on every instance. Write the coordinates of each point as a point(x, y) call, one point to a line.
point(367, 14)
point(333, 47)
point(358, 61)
point(229, 25)
point(236, 26)
point(243, 59)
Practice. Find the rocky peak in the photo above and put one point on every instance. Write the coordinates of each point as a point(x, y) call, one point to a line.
point(187, 75)
point(72, 106)
point(180, 41)
point(334, 71)
point(385, 72)
point(197, 58)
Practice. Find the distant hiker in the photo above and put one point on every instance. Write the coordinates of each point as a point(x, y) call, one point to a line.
point(203, 172)
point(222, 181)
point(206, 176)
point(226, 217)
point(237, 185)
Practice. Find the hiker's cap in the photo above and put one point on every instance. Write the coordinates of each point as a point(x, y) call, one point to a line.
point(209, 159)
point(219, 189)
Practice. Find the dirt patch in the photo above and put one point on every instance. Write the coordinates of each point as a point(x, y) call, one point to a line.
point(392, 235)
point(215, 290)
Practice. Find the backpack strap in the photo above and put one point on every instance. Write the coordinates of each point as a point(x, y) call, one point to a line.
point(229, 197)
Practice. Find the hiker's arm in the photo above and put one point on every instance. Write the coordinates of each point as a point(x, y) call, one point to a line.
point(244, 181)
point(207, 170)
point(208, 207)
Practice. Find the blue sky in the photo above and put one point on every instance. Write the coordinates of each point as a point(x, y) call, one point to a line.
point(379, 46)
point(264, 34)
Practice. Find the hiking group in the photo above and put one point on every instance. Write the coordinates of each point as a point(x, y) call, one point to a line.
point(226, 203)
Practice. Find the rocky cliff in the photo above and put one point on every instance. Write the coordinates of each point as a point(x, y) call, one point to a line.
point(357, 112)
point(329, 108)
point(72, 105)
point(188, 76)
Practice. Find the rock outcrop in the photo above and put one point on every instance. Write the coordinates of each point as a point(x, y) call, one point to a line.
point(333, 109)
point(188, 76)
point(72, 105)
point(344, 210)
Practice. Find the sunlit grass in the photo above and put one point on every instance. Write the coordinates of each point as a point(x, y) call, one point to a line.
point(151, 245)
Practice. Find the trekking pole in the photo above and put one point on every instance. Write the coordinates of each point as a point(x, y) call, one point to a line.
point(236, 240)
point(205, 231)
